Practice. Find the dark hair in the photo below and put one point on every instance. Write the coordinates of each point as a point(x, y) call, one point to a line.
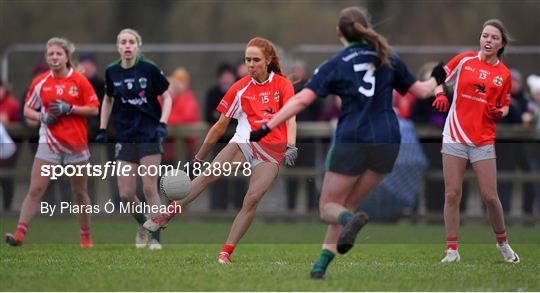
point(269, 51)
point(224, 67)
point(506, 38)
point(354, 24)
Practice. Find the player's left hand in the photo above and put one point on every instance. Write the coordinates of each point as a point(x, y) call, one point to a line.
point(494, 113)
point(60, 107)
point(441, 102)
point(258, 134)
point(161, 132)
point(291, 154)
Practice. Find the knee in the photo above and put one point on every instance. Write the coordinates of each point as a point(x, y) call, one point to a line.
point(36, 192)
point(490, 198)
point(149, 188)
point(127, 193)
point(452, 197)
point(251, 201)
point(80, 192)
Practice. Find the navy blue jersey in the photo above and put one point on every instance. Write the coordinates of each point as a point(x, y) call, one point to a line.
point(366, 93)
point(135, 91)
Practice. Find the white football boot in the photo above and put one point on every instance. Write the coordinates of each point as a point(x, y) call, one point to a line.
point(452, 255)
point(508, 254)
point(142, 237)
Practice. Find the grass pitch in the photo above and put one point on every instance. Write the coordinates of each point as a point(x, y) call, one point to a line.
point(273, 257)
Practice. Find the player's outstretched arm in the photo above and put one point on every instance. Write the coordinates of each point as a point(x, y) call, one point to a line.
point(296, 104)
point(425, 89)
point(212, 137)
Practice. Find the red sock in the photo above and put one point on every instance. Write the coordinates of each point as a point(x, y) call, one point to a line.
point(85, 231)
point(451, 242)
point(500, 236)
point(20, 233)
point(228, 248)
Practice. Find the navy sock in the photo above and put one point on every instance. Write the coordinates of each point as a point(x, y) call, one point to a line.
point(345, 216)
point(155, 234)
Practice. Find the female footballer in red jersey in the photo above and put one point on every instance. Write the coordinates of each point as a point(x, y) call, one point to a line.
point(481, 98)
point(61, 99)
point(252, 101)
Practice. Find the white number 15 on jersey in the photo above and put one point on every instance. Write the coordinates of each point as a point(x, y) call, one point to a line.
point(368, 68)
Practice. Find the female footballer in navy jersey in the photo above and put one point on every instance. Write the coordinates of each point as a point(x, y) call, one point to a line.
point(135, 83)
point(367, 136)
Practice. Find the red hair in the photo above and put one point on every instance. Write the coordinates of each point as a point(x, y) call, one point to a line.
point(269, 51)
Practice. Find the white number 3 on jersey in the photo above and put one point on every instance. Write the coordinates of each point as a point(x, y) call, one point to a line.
point(368, 68)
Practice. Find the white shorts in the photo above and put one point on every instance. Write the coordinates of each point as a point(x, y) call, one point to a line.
point(61, 158)
point(471, 153)
point(251, 158)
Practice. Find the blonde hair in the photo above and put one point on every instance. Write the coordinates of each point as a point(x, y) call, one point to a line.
point(132, 32)
point(66, 45)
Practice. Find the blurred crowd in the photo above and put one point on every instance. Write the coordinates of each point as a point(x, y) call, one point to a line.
point(188, 109)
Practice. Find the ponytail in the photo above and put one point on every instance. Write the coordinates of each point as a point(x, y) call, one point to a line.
point(355, 26)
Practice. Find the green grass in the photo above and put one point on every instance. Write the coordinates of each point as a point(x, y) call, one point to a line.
point(273, 257)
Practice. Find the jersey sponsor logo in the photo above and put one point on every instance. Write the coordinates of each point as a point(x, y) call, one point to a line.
point(469, 68)
point(117, 84)
point(480, 88)
point(73, 91)
point(498, 81)
point(251, 98)
point(143, 82)
point(47, 89)
point(135, 102)
point(477, 99)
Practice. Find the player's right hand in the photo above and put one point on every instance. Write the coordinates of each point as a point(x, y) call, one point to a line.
point(441, 102)
point(47, 118)
point(258, 134)
point(101, 137)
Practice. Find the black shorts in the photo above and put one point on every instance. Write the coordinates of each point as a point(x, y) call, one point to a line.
point(133, 152)
point(355, 158)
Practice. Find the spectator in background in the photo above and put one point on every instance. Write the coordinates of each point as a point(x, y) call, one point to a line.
point(223, 191)
point(241, 69)
point(533, 81)
point(225, 78)
point(9, 115)
point(184, 110)
point(88, 67)
point(512, 154)
point(307, 156)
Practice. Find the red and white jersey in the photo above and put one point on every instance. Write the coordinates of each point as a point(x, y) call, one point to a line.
point(253, 104)
point(477, 85)
point(69, 134)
